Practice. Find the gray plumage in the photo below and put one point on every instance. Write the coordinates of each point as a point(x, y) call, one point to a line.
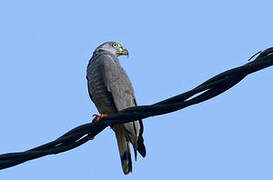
point(111, 90)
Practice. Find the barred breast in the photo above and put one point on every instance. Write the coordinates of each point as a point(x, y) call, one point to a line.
point(97, 88)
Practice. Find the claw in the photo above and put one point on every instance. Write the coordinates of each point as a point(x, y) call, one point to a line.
point(98, 117)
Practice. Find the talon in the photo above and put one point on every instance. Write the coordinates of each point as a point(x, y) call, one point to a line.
point(98, 117)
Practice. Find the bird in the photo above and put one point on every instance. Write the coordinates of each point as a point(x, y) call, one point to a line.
point(111, 90)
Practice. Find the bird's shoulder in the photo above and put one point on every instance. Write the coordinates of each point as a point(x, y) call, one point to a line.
point(102, 57)
point(102, 62)
point(108, 66)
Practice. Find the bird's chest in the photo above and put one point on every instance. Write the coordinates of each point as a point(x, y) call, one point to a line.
point(101, 77)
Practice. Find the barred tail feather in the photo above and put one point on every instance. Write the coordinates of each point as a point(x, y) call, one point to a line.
point(124, 152)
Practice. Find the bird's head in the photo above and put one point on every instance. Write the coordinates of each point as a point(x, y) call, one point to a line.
point(113, 48)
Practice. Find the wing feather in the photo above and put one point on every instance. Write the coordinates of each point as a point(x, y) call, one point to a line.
point(120, 86)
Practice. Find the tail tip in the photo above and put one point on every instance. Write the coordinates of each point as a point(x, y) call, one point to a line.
point(141, 147)
point(126, 170)
point(126, 163)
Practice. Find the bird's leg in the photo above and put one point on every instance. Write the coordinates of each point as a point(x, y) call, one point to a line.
point(98, 117)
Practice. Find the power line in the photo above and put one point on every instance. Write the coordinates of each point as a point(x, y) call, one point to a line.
point(81, 134)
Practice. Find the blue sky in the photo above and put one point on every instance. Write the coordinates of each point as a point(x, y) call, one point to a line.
point(174, 46)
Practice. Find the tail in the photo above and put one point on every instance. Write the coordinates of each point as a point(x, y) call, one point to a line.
point(124, 152)
point(140, 146)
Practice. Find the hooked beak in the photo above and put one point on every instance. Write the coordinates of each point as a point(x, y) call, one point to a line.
point(124, 52)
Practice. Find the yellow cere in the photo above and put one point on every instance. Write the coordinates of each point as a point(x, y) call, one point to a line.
point(120, 46)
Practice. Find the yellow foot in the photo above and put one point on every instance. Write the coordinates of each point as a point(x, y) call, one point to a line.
point(98, 117)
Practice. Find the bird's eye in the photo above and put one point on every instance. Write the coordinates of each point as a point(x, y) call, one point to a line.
point(114, 45)
point(117, 46)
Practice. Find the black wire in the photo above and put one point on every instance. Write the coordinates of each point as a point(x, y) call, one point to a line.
point(81, 134)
